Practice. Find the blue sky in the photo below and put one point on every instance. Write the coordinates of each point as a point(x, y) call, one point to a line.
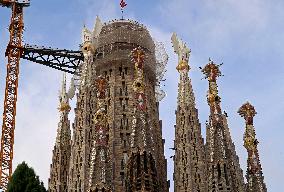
point(247, 36)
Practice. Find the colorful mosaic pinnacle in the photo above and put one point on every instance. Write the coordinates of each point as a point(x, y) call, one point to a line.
point(211, 71)
point(255, 179)
point(248, 112)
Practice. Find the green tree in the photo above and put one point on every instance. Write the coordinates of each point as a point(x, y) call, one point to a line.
point(24, 179)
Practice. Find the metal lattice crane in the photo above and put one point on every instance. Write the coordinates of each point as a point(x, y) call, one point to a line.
point(60, 59)
point(13, 52)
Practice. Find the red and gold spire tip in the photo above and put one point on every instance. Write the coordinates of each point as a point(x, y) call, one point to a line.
point(211, 71)
point(248, 112)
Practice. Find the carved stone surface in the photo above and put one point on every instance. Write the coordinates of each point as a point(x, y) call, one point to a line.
point(190, 165)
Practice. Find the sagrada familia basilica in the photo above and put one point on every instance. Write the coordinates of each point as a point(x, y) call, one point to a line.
point(117, 144)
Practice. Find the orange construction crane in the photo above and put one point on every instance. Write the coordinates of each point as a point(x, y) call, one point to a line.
point(13, 52)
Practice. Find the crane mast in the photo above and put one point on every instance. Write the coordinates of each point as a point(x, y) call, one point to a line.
point(13, 52)
point(60, 59)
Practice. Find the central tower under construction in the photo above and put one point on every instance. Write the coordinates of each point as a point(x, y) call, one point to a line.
point(117, 140)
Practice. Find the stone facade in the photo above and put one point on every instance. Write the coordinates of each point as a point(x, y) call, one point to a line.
point(117, 142)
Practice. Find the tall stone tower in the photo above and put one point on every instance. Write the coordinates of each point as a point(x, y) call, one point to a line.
point(62, 149)
point(189, 160)
point(224, 172)
point(255, 179)
point(117, 143)
point(117, 140)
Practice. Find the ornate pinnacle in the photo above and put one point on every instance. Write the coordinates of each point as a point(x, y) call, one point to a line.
point(183, 53)
point(211, 71)
point(64, 107)
point(63, 97)
point(248, 112)
point(254, 171)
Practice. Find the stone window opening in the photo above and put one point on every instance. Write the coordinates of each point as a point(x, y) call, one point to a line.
point(127, 124)
point(226, 174)
point(123, 85)
point(219, 170)
point(124, 143)
point(122, 164)
point(126, 92)
point(124, 119)
point(122, 177)
point(120, 71)
point(121, 124)
point(108, 92)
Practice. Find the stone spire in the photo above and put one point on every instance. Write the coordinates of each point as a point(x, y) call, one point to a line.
point(255, 179)
point(141, 166)
point(83, 133)
point(189, 160)
point(224, 172)
point(101, 166)
point(62, 149)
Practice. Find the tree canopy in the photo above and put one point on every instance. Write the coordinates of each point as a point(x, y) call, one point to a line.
point(24, 179)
